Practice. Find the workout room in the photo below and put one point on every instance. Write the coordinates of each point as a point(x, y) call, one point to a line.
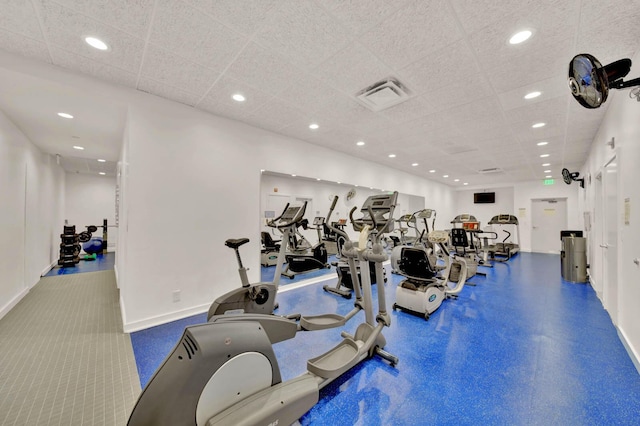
point(270, 212)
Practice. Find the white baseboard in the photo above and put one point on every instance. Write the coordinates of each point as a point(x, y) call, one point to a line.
point(115, 271)
point(46, 270)
point(13, 302)
point(160, 319)
point(633, 354)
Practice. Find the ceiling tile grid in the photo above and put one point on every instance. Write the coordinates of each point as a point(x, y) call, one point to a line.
point(24, 46)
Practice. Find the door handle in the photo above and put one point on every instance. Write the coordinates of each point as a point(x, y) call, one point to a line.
point(604, 246)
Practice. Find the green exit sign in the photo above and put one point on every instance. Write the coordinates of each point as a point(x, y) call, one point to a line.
point(549, 182)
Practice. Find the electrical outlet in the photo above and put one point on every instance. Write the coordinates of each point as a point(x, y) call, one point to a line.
point(176, 296)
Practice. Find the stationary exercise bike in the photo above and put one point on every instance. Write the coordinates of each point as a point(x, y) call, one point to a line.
point(225, 372)
point(423, 290)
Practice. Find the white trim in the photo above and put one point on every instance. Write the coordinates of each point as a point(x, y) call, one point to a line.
point(115, 271)
point(46, 270)
point(633, 354)
point(13, 302)
point(160, 319)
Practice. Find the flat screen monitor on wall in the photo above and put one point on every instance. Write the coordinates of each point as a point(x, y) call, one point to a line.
point(484, 198)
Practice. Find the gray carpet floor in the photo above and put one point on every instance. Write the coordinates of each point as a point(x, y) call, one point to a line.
point(64, 359)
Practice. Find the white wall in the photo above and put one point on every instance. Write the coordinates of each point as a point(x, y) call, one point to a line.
point(484, 212)
point(191, 176)
point(90, 199)
point(31, 216)
point(622, 123)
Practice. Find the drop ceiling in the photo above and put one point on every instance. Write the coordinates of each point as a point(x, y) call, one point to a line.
point(303, 61)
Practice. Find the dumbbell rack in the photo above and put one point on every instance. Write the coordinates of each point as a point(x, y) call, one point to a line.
point(69, 247)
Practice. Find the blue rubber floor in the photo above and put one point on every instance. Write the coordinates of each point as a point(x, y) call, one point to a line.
point(522, 347)
point(103, 262)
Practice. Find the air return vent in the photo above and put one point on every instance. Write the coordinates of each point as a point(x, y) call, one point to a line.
point(383, 94)
point(491, 170)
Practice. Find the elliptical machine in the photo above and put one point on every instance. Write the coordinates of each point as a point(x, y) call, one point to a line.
point(225, 372)
point(423, 291)
point(314, 260)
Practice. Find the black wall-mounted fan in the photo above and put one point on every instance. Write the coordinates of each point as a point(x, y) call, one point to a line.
point(590, 82)
point(569, 177)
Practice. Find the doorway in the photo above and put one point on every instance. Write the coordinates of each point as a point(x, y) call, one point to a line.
point(548, 218)
point(609, 244)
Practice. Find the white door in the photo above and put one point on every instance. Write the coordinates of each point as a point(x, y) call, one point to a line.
point(548, 218)
point(609, 238)
point(596, 268)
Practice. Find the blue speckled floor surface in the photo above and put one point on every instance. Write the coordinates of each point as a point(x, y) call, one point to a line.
point(102, 262)
point(522, 347)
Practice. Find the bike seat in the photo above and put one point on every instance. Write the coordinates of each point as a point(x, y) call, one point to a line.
point(234, 243)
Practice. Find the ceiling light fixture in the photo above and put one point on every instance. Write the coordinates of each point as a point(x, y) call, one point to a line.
point(78, 147)
point(432, 171)
point(392, 156)
point(542, 143)
point(102, 173)
point(96, 43)
point(65, 115)
point(544, 155)
point(100, 160)
point(360, 143)
point(456, 180)
point(293, 175)
point(532, 95)
point(548, 176)
point(547, 171)
point(520, 37)
point(318, 179)
point(313, 126)
point(546, 164)
point(537, 125)
point(445, 176)
point(238, 97)
point(414, 164)
point(466, 183)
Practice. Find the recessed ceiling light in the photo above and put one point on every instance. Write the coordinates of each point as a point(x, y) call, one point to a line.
point(466, 183)
point(392, 156)
point(238, 97)
point(535, 126)
point(532, 95)
point(360, 143)
point(546, 164)
point(548, 176)
point(313, 126)
point(456, 180)
point(78, 147)
point(544, 155)
point(547, 171)
point(293, 175)
point(414, 164)
point(519, 37)
point(445, 176)
point(318, 179)
point(100, 160)
point(97, 43)
point(432, 171)
point(102, 173)
point(338, 183)
point(65, 115)
point(542, 143)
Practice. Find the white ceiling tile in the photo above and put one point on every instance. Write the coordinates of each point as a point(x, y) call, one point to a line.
point(263, 69)
point(309, 93)
point(245, 16)
point(218, 100)
point(352, 69)
point(168, 68)
point(359, 16)
point(485, 108)
point(595, 12)
point(303, 32)
point(474, 14)
point(410, 110)
point(544, 111)
point(93, 68)
point(164, 90)
point(133, 17)
point(24, 46)
point(185, 31)
point(550, 88)
point(611, 41)
point(413, 32)
point(66, 29)
point(276, 115)
point(19, 17)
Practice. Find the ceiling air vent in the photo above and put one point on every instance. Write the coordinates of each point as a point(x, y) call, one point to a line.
point(491, 170)
point(383, 94)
